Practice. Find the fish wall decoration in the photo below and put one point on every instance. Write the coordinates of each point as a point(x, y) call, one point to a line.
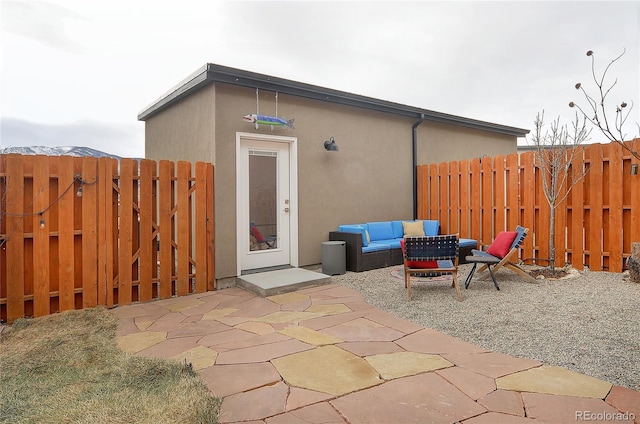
point(272, 121)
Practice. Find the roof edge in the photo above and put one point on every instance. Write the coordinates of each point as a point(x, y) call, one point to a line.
point(217, 73)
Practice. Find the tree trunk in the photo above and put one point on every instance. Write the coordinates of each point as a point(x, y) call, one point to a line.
point(552, 236)
point(633, 263)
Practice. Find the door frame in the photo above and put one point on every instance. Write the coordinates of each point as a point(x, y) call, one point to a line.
point(293, 194)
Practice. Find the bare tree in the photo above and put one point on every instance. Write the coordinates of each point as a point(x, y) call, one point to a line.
point(555, 150)
point(597, 113)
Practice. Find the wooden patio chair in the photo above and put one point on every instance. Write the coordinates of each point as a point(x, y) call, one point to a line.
point(499, 255)
point(431, 256)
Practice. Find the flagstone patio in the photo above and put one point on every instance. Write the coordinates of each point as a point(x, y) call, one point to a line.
point(323, 355)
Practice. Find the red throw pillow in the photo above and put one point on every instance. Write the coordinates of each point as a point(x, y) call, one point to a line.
point(422, 264)
point(419, 264)
point(502, 244)
point(257, 234)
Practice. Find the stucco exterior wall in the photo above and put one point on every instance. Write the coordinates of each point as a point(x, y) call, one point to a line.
point(184, 131)
point(445, 143)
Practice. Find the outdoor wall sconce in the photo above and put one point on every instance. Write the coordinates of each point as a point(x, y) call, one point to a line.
point(330, 145)
point(634, 169)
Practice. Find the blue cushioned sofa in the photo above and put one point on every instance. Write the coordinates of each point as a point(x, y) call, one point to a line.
point(374, 245)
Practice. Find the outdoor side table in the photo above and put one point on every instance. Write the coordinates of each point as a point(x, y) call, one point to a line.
point(334, 258)
point(488, 261)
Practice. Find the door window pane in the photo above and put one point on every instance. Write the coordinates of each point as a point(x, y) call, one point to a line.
point(263, 195)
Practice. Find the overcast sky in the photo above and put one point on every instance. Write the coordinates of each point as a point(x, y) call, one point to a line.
point(79, 72)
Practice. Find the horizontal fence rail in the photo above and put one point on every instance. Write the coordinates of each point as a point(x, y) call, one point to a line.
point(595, 225)
point(81, 232)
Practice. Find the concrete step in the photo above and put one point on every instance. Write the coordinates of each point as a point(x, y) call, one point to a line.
point(271, 283)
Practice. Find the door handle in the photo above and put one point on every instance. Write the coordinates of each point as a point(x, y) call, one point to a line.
point(286, 209)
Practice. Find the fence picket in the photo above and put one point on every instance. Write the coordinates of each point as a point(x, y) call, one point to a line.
point(433, 192)
point(183, 237)
point(210, 228)
point(527, 202)
point(443, 190)
point(454, 198)
point(15, 204)
point(147, 239)
point(614, 182)
point(126, 216)
point(487, 200)
point(595, 210)
point(201, 236)
point(165, 212)
point(89, 232)
point(41, 234)
point(66, 243)
point(464, 199)
point(475, 195)
point(499, 205)
point(513, 191)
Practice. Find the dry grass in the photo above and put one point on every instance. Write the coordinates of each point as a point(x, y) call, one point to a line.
point(66, 368)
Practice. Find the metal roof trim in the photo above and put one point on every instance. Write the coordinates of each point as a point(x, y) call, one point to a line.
point(217, 73)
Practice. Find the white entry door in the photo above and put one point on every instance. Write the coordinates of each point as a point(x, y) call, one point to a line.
point(266, 202)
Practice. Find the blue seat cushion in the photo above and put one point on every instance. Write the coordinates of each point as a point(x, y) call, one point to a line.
point(356, 228)
point(398, 230)
point(468, 243)
point(431, 227)
point(375, 247)
point(380, 230)
point(393, 243)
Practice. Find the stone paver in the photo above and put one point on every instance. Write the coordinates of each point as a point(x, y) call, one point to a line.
point(570, 409)
point(424, 398)
point(491, 364)
point(323, 355)
point(302, 397)
point(255, 404)
point(473, 385)
point(625, 399)
point(225, 380)
point(199, 357)
point(133, 343)
point(370, 348)
point(403, 364)
point(327, 369)
point(498, 418)
point(503, 401)
point(432, 341)
point(320, 413)
point(310, 336)
point(556, 381)
point(362, 329)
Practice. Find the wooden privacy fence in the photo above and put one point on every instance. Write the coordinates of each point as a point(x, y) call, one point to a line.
point(595, 225)
point(81, 232)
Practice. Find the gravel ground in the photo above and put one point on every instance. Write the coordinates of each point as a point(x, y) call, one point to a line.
point(589, 323)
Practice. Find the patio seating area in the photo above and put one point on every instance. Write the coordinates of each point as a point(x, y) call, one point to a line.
point(356, 351)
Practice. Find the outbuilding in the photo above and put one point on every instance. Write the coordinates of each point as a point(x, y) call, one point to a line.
point(331, 158)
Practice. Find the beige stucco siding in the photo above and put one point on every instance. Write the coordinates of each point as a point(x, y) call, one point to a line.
point(445, 143)
point(184, 131)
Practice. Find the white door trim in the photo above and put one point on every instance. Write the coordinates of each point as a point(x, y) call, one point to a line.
point(241, 220)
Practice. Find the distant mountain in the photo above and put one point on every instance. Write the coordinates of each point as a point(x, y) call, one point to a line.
point(58, 151)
